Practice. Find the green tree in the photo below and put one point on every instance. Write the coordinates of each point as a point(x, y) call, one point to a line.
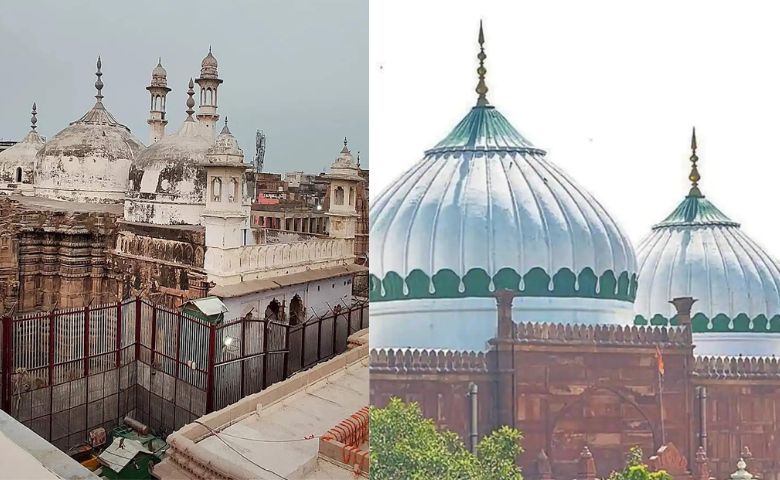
point(637, 470)
point(406, 445)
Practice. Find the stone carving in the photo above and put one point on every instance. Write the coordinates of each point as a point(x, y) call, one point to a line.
point(703, 470)
point(669, 459)
point(587, 466)
point(426, 361)
point(543, 467)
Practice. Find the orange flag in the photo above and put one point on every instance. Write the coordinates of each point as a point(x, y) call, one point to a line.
point(660, 358)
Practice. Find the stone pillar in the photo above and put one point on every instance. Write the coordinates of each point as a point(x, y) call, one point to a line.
point(683, 306)
point(587, 466)
point(703, 471)
point(503, 352)
point(543, 467)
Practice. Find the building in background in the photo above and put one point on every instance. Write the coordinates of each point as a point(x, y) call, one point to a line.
point(503, 293)
point(105, 217)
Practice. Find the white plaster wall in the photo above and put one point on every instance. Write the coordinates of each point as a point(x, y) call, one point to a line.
point(251, 262)
point(91, 179)
point(318, 298)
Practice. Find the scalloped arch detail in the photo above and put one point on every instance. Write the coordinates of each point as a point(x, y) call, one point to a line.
point(720, 323)
point(478, 283)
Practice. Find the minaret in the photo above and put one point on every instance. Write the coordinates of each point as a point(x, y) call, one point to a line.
point(344, 178)
point(158, 90)
point(208, 82)
point(227, 210)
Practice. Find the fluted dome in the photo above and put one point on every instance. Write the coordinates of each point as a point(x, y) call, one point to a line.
point(484, 210)
point(17, 163)
point(168, 180)
point(89, 160)
point(699, 252)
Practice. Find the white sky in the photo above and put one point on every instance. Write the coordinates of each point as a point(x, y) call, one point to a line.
point(610, 89)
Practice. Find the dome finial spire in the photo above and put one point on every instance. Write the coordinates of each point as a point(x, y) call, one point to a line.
point(34, 118)
point(694, 176)
point(482, 89)
point(190, 102)
point(99, 82)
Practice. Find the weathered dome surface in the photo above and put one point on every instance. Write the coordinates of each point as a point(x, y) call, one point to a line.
point(19, 160)
point(159, 76)
point(208, 67)
point(226, 148)
point(485, 210)
point(699, 252)
point(88, 161)
point(168, 180)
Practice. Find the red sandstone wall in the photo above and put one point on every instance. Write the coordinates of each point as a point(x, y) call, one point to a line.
point(608, 400)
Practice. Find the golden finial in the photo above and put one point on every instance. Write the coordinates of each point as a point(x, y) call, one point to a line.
point(482, 89)
point(694, 176)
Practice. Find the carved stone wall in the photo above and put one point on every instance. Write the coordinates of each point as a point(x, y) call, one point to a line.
point(571, 387)
point(55, 257)
point(164, 264)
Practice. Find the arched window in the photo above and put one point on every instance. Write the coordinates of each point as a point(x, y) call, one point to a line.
point(338, 196)
point(216, 189)
point(18, 174)
point(233, 192)
point(296, 310)
point(273, 310)
point(351, 195)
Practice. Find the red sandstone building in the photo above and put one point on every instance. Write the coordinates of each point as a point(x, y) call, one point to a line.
point(573, 361)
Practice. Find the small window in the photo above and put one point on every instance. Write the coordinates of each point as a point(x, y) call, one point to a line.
point(18, 174)
point(216, 189)
point(351, 196)
point(233, 190)
point(338, 196)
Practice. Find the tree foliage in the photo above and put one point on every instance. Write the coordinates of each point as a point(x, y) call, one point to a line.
point(637, 470)
point(404, 444)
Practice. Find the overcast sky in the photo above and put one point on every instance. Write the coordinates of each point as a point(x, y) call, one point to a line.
point(609, 88)
point(293, 68)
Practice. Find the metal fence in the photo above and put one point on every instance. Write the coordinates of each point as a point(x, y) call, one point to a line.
point(70, 371)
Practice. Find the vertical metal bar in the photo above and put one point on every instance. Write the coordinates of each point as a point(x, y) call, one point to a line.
point(303, 345)
point(137, 328)
point(286, 354)
point(179, 320)
point(210, 369)
point(51, 373)
point(335, 329)
point(319, 339)
point(241, 356)
point(349, 322)
point(154, 334)
point(266, 324)
point(8, 361)
point(118, 357)
point(86, 342)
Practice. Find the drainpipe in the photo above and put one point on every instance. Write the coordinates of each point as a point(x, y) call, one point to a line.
point(474, 431)
point(703, 417)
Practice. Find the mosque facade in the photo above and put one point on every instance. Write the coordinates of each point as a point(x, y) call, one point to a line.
point(92, 215)
point(503, 293)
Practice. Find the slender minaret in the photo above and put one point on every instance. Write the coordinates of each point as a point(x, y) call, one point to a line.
point(190, 102)
point(208, 83)
point(158, 90)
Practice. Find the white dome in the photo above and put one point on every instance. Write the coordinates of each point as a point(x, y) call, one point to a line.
point(19, 161)
point(699, 252)
point(168, 180)
point(88, 161)
point(483, 210)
